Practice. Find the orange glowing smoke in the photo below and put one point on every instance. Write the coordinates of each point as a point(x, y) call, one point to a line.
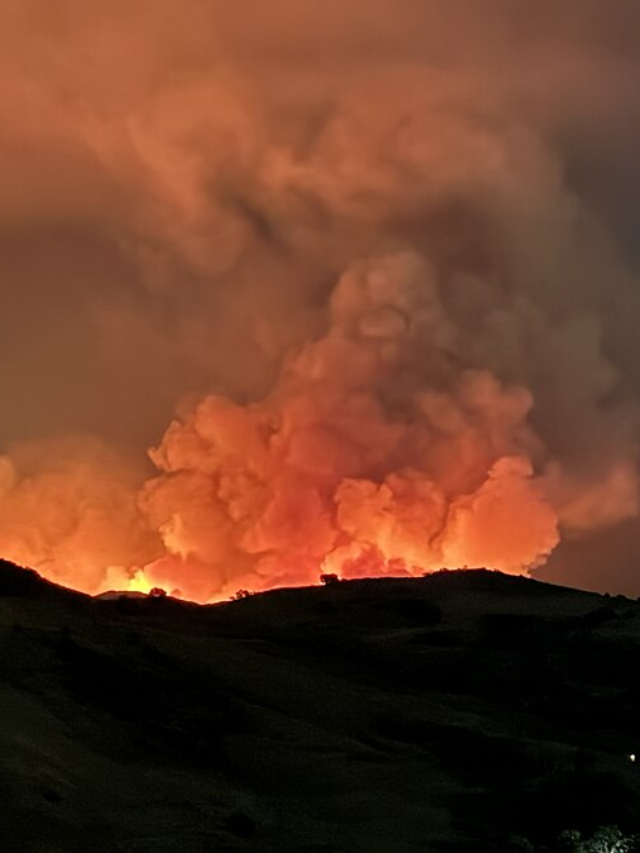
point(69, 509)
point(345, 467)
point(320, 215)
point(375, 453)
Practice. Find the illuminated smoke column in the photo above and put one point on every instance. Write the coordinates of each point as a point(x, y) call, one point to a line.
point(382, 314)
point(376, 452)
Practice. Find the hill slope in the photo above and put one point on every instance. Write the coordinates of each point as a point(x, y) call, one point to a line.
point(383, 716)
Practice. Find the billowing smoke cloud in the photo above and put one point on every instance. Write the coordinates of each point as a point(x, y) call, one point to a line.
point(376, 451)
point(69, 507)
point(359, 252)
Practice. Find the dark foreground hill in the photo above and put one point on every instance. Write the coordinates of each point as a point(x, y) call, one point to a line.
point(450, 713)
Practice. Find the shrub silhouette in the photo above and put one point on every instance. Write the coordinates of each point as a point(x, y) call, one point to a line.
point(157, 592)
point(241, 594)
point(607, 839)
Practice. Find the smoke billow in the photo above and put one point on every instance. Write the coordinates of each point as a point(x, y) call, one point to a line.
point(353, 254)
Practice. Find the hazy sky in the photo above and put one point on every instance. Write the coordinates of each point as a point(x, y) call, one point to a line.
point(186, 188)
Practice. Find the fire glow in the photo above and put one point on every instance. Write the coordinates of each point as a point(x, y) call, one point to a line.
point(381, 311)
point(342, 468)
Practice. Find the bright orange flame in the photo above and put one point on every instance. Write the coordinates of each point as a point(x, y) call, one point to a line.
point(139, 583)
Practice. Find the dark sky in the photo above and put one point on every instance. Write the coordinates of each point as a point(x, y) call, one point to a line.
point(185, 184)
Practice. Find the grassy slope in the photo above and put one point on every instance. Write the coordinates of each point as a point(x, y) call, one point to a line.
point(382, 716)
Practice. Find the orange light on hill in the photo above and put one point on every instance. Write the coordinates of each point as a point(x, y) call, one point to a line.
point(138, 583)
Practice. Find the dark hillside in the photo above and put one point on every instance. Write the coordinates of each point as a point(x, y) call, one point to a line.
point(449, 713)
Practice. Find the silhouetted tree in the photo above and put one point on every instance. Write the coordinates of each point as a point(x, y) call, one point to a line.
point(329, 579)
point(157, 592)
point(241, 594)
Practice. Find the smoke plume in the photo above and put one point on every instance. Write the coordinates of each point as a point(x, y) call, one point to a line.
point(361, 275)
